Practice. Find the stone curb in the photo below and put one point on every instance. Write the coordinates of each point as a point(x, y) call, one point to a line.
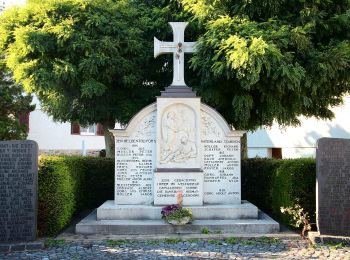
point(316, 238)
point(16, 247)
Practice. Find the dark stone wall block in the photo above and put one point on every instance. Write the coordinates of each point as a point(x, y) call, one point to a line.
point(18, 190)
point(333, 186)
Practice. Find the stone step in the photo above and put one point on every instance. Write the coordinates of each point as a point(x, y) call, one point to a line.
point(110, 211)
point(90, 225)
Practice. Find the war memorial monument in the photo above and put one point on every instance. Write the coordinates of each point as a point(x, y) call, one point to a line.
point(177, 144)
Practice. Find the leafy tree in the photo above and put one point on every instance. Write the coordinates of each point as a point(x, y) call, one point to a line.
point(83, 59)
point(12, 105)
point(265, 61)
point(90, 61)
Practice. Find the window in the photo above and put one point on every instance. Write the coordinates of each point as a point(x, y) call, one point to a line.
point(95, 129)
point(89, 130)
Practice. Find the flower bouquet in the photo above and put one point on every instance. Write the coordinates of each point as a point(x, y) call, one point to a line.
point(175, 214)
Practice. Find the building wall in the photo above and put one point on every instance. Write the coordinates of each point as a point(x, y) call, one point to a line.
point(56, 138)
point(300, 141)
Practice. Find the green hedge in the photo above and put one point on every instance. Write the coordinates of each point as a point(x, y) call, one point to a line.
point(271, 184)
point(256, 181)
point(68, 185)
point(294, 182)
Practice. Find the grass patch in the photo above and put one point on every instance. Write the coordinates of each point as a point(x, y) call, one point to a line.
point(205, 230)
point(231, 240)
point(173, 240)
point(54, 242)
point(253, 241)
point(112, 243)
point(214, 242)
point(193, 240)
point(335, 246)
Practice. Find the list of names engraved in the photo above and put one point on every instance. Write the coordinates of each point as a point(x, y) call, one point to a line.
point(18, 190)
point(221, 170)
point(134, 170)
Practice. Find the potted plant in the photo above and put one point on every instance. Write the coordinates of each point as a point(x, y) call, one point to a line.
point(175, 214)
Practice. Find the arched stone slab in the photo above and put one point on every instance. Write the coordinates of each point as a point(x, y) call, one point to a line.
point(136, 153)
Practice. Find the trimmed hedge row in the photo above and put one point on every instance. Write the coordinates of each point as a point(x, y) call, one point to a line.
point(271, 184)
point(68, 185)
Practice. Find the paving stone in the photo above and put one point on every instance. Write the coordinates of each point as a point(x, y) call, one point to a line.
point(286, 249)
point(18, 247)
point(4, 248)
point(34, 246)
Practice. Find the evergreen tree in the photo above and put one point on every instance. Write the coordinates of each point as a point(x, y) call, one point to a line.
point(265, 61)
point(13, 104)
point(83, 59)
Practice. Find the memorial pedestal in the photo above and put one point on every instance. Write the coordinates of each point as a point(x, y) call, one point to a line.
point(110, 211)
point(111, 219)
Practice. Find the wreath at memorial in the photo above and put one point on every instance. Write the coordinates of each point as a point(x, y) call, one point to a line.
point(175, 214)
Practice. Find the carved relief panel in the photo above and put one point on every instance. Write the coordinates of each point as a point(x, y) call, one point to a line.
point(178, 133)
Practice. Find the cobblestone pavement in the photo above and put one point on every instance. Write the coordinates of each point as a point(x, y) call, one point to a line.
point(229, 248)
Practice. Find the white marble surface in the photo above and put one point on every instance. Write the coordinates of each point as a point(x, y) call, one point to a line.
point(178, 47)
point(135, 159)
point(222, 164)
point(217, 152)
point(168, 184)
point(178, 133)
point(110, 211)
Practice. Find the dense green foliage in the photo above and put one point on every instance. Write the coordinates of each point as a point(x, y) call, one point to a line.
point(13, 103)
point(265, 61)
point(257, 175)
point(81, 58)
point(68, 185)
point(272, 184)
point(294, 182)
point(89, 61)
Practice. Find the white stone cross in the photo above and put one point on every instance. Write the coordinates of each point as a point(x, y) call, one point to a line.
point(178, 47)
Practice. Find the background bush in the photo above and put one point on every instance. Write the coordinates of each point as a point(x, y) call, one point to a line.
point(294, 182)
point(68, 185)
point(271, 184)
point(256, 181)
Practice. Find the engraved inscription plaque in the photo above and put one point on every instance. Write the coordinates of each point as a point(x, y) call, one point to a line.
point(18, 190)
point(222, 164)
point(333, 186)
point(134, 163)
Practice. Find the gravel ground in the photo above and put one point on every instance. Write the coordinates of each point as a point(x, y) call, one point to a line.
point(229, 248)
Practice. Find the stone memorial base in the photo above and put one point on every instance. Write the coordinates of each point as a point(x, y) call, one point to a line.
point(317, 238)
point(146, 219)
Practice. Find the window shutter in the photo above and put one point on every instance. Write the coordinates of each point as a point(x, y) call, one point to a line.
point(277, 153)
point(24, 120)
point(99, 129)
point(75, 128)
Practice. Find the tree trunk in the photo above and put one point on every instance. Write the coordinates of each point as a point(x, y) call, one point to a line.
point(244, 147)
point(109, 138)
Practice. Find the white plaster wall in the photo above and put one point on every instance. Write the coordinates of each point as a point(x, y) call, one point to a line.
point(57, 136)
point(259, 152)
point(301, 141)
